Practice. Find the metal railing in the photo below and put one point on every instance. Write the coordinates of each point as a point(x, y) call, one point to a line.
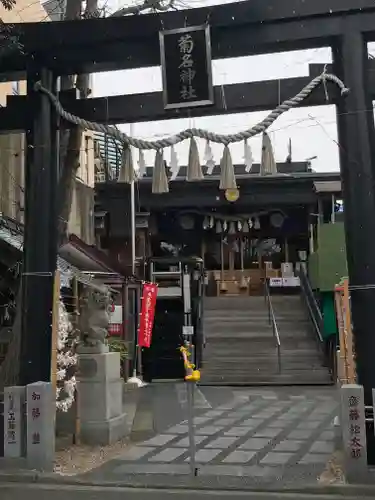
point(328, 346)
point(272, 321)
point(311, 304)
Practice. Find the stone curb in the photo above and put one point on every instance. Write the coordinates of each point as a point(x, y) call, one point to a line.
point(27, 477)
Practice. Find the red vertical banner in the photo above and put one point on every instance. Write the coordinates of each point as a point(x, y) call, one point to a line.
point(146, 322)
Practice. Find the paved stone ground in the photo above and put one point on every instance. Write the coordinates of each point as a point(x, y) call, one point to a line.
point(266, 435)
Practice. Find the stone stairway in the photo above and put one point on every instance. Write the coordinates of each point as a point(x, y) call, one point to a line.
point(241, 350)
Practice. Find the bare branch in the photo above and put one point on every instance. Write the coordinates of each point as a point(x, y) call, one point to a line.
point(147, 4)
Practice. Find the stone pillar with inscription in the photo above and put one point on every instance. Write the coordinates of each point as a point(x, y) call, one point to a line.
point(14, 422)
point(41, 418)
point(354, 432)
point(100, 388)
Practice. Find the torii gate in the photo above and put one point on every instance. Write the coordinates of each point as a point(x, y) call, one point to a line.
point(238, 29)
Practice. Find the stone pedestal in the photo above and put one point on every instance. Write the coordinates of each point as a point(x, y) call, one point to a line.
point(100, 393)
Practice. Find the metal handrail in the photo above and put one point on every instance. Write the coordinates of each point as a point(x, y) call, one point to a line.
point(311, 303)
point(272, 321)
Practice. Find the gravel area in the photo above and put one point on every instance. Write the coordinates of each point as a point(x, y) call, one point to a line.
point(78, 459)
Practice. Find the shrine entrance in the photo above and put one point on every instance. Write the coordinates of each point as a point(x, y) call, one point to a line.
point(223, 31)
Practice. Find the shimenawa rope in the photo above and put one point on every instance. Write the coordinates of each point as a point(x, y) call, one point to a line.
point(196, 132)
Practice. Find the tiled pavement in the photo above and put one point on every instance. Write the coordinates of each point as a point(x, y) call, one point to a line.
point(264, 434)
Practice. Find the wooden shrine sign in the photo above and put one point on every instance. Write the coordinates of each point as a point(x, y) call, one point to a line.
point(185, 56)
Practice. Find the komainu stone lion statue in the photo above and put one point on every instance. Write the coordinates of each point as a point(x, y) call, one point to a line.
point(94, 319)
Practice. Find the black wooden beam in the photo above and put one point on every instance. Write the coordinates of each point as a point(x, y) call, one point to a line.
point(237, 29)
point(234, 98)
point(297, 188)
point(206, 193)
point(72, 34)
point(134, 108)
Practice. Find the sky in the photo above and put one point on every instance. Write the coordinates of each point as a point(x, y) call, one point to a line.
point(313, 130)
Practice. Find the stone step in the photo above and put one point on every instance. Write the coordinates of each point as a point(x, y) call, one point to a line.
point(238, 332)
point(245, 340)
point(260, 358)
point(254, 331)
point(260, 309)
point(256, 359)
point(291, 302)
point(269, 369)
point(251, 321)
point(252, 361)
point(240, 345)
point(211, 302)
point(209, 353)
point(298, 378)
point(284, 326)
point(228, 317)
point(286, 329)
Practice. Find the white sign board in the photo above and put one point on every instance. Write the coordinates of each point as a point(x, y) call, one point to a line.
point(354, 431)
point(284, 282)
point(41, 413)
point(276, 282)
point(14, 399)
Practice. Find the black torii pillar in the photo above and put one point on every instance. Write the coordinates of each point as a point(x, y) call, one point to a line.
point(40, 238)
point(356, 134)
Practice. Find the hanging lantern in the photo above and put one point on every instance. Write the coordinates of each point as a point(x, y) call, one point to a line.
point(218, 227)
point(239, 225)
point(256, 223)
point(187, 222)
point(232, 228)
point(250, 222)
point(211, 222)
point(206, 223)
point(245, 228)
point(225, 225)
point(232, 195)
point(277, 219)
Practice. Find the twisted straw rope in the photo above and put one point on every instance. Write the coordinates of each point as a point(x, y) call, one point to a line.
point(196, 132)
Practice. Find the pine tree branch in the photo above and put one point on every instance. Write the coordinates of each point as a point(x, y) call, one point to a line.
point(8, 4)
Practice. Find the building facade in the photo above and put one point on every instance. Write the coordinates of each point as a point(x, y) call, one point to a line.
point(12, 146)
